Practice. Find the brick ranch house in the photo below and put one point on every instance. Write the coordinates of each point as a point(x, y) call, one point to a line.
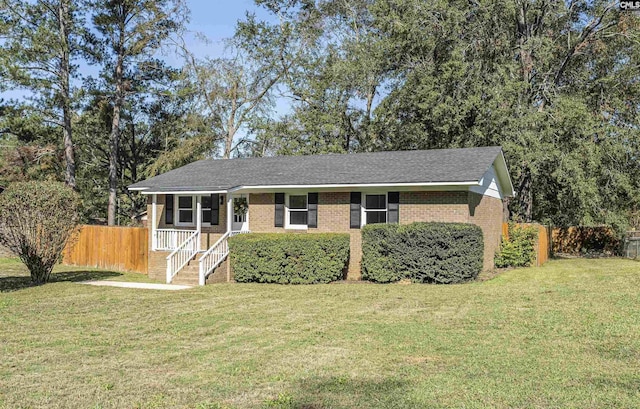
point(193, 210)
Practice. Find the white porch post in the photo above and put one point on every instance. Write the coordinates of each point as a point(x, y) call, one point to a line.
point(154, 232)
point(229, 211)
point(198, 219)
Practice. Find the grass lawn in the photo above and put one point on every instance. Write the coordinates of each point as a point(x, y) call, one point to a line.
point(563, 335)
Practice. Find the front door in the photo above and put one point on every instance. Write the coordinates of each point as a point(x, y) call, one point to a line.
point(240, 212)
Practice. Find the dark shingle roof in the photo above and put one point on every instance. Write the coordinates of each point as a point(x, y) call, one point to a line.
point(426, 166)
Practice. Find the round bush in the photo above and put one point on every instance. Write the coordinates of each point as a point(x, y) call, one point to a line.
point(443, 253)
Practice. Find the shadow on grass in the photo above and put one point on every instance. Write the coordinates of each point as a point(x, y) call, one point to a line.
point(321, 393)
point(15, 283)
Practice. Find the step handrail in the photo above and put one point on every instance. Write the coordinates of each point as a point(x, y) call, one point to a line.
point(182, 255)
point(213, 257)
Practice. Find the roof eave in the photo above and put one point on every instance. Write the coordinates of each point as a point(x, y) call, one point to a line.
point(504, 177)
point(151, 190)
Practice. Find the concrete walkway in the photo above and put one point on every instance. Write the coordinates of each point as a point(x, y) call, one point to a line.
point(145, 286)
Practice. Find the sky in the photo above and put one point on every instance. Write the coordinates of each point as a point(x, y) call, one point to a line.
point(216, 19)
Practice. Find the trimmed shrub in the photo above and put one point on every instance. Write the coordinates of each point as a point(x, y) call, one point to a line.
point(443, 253)
point(519, 249)
point(289, 258)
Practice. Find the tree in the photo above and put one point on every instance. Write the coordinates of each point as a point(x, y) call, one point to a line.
point(552, 105)
point(555, 83)
point(156, 130)
point(36, 221)
point(336, 64)
point(29, 146)
point(131, 31)
point(230, 94)
point(39, 47)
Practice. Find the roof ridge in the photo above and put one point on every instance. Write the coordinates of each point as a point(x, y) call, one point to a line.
point(358, 153)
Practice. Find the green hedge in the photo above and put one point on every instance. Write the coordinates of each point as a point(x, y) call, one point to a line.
point(519, 250)
point(442, 253)
point(288, 258)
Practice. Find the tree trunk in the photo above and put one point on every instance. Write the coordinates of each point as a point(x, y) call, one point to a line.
point(525, 196)
point(114, 137)
point(228, 142)
point(231, 123)
point(69, 154)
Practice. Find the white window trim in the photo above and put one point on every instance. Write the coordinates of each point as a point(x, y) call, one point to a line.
point(195, 199)
point(287, 224)
point(176, 211)
point(363, 209)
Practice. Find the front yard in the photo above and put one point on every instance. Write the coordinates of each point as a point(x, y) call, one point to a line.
point(563, 335)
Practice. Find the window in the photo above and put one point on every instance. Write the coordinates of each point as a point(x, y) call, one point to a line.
point(298, 211)
point(185, 209)
point(375, 209)
point(206, 209)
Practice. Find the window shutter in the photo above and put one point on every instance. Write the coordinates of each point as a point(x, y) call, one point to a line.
point(168, 209)
point(393, 204)
point(215, 209)
point(279, 214)
point(356, 199)
point(312, 206)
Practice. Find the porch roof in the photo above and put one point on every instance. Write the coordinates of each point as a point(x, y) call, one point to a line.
point(464, 166)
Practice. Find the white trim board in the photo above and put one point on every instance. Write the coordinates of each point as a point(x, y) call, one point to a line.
point(181, 192)
point(489, 185)
point(357, 186)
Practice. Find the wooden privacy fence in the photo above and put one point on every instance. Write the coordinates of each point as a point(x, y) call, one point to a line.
point(579, 239)
point(117, 248)
point(542, 246)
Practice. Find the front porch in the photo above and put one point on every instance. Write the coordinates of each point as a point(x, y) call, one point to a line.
point(190, 232)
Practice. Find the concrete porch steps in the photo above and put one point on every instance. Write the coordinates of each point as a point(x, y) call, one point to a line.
point(189, 274)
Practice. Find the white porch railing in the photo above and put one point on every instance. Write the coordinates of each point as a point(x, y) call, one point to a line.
point(170, 239)
point(182, 255)
point(213, 257)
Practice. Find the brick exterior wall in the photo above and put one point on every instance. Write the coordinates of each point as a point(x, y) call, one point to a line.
point(262, 213)
point(433, 207)
point(219, 275)
point(487, 212)
point(157, 269)
point(333, 216)
point(333, 213)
